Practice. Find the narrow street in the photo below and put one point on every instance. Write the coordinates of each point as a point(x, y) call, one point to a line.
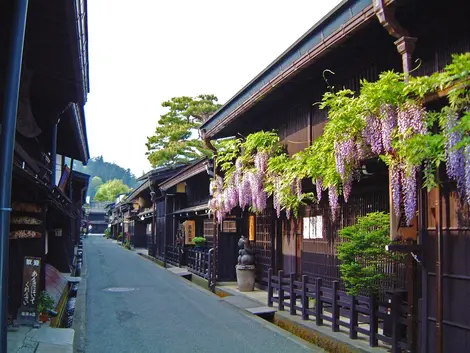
point(160, 312)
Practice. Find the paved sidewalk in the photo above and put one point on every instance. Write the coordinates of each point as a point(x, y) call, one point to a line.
point(46, 339)
point(254, 302)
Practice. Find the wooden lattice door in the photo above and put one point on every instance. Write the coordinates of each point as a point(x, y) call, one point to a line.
point(263, 246)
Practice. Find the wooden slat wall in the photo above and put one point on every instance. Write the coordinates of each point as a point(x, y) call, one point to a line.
point(295, 128)
point(319, 255)
point(263, 245)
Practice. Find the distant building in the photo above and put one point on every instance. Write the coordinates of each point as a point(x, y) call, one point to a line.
point(97, 217)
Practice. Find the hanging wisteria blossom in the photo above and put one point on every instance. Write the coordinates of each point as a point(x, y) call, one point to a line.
point(410, 120)
point(238, 174)
point(347, 187)
point(396, 187)
point(333, 200)
point(467, 173)
point(244, 192)
point(361, 150)
point(409, 193)
point(388, 124)
point(261, 161)
point(299, 188)
point(276, 195)
point(455, 158)
point(373, 133)
point(344, 155)
point(319, 187)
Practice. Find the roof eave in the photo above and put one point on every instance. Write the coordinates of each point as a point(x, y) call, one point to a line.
point(216, 123)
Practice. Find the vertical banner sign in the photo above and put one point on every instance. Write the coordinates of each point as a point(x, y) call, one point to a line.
point(189, 229)
point(30, 290)
point(251, 228)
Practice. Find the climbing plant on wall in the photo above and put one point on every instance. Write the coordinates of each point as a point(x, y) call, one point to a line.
point(386, 119)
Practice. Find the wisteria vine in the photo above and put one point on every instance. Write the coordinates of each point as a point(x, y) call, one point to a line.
point(386, 120)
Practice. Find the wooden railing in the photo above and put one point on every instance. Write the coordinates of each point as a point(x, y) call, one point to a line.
point(174, 255)
point(198, 261)
point(379, 321)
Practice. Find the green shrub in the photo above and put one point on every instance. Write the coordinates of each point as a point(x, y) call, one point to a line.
point(127, 245)
point(119, 236)
point(107, 233)
point(199, 241)
point(363, 253)
point(45, 302)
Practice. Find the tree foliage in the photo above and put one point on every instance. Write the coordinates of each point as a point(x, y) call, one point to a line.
point(175, 140)
point(95, 183)
point(110, 190)
point(106, 171)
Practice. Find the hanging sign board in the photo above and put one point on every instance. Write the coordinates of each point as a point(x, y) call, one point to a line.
point(30, 290)
point(251, 228)
point(189, 229)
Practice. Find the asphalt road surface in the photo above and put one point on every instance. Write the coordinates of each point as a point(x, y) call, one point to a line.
point(134, 305)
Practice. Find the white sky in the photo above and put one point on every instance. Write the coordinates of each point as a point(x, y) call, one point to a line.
point(143, 52)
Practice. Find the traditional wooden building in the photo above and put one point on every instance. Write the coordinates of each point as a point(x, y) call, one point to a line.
point(353, 42)
point(187, 216)
point(144, 200)
point(96, 214)
point(47, 194)
point(116, 214)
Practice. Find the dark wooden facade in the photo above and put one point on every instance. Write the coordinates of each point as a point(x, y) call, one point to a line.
point(47, 197)
point(358, 48)
point(187, 197)
point(140, 211)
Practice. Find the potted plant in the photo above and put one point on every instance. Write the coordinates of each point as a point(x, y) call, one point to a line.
point(245, 268)
point(119, 237)
point(45, 304)
point(199, 242)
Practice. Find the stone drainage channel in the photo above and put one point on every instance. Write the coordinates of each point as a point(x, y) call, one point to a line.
point(69, 310)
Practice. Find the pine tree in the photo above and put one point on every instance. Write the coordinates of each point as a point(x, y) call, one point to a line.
point(175, 140)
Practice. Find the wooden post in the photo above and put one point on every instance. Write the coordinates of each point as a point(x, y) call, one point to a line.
point(319, 304)
point(353, 318)
point(281, 291)
point(334, 322)
point(395, 306)
point(304, 298)
point(270, 287)
point(439, 271)
point(180, 255)
point(293, 297)
point(373, 322)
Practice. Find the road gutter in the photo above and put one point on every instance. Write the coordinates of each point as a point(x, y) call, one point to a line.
point(79, 320)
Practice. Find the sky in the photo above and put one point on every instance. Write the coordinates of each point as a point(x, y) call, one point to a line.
point(143, 52)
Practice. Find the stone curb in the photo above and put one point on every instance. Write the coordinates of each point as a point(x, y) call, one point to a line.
point(79, 321)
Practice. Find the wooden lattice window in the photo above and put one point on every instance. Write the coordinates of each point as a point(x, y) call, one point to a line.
point(208, 228)
point(229, 226)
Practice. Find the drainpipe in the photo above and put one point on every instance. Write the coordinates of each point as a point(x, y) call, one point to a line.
point(405, 46)
point(439, 280)
point(54, 154)
point(10, 110)
point(72, 228)
point(215, 245)
point(166, 228)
